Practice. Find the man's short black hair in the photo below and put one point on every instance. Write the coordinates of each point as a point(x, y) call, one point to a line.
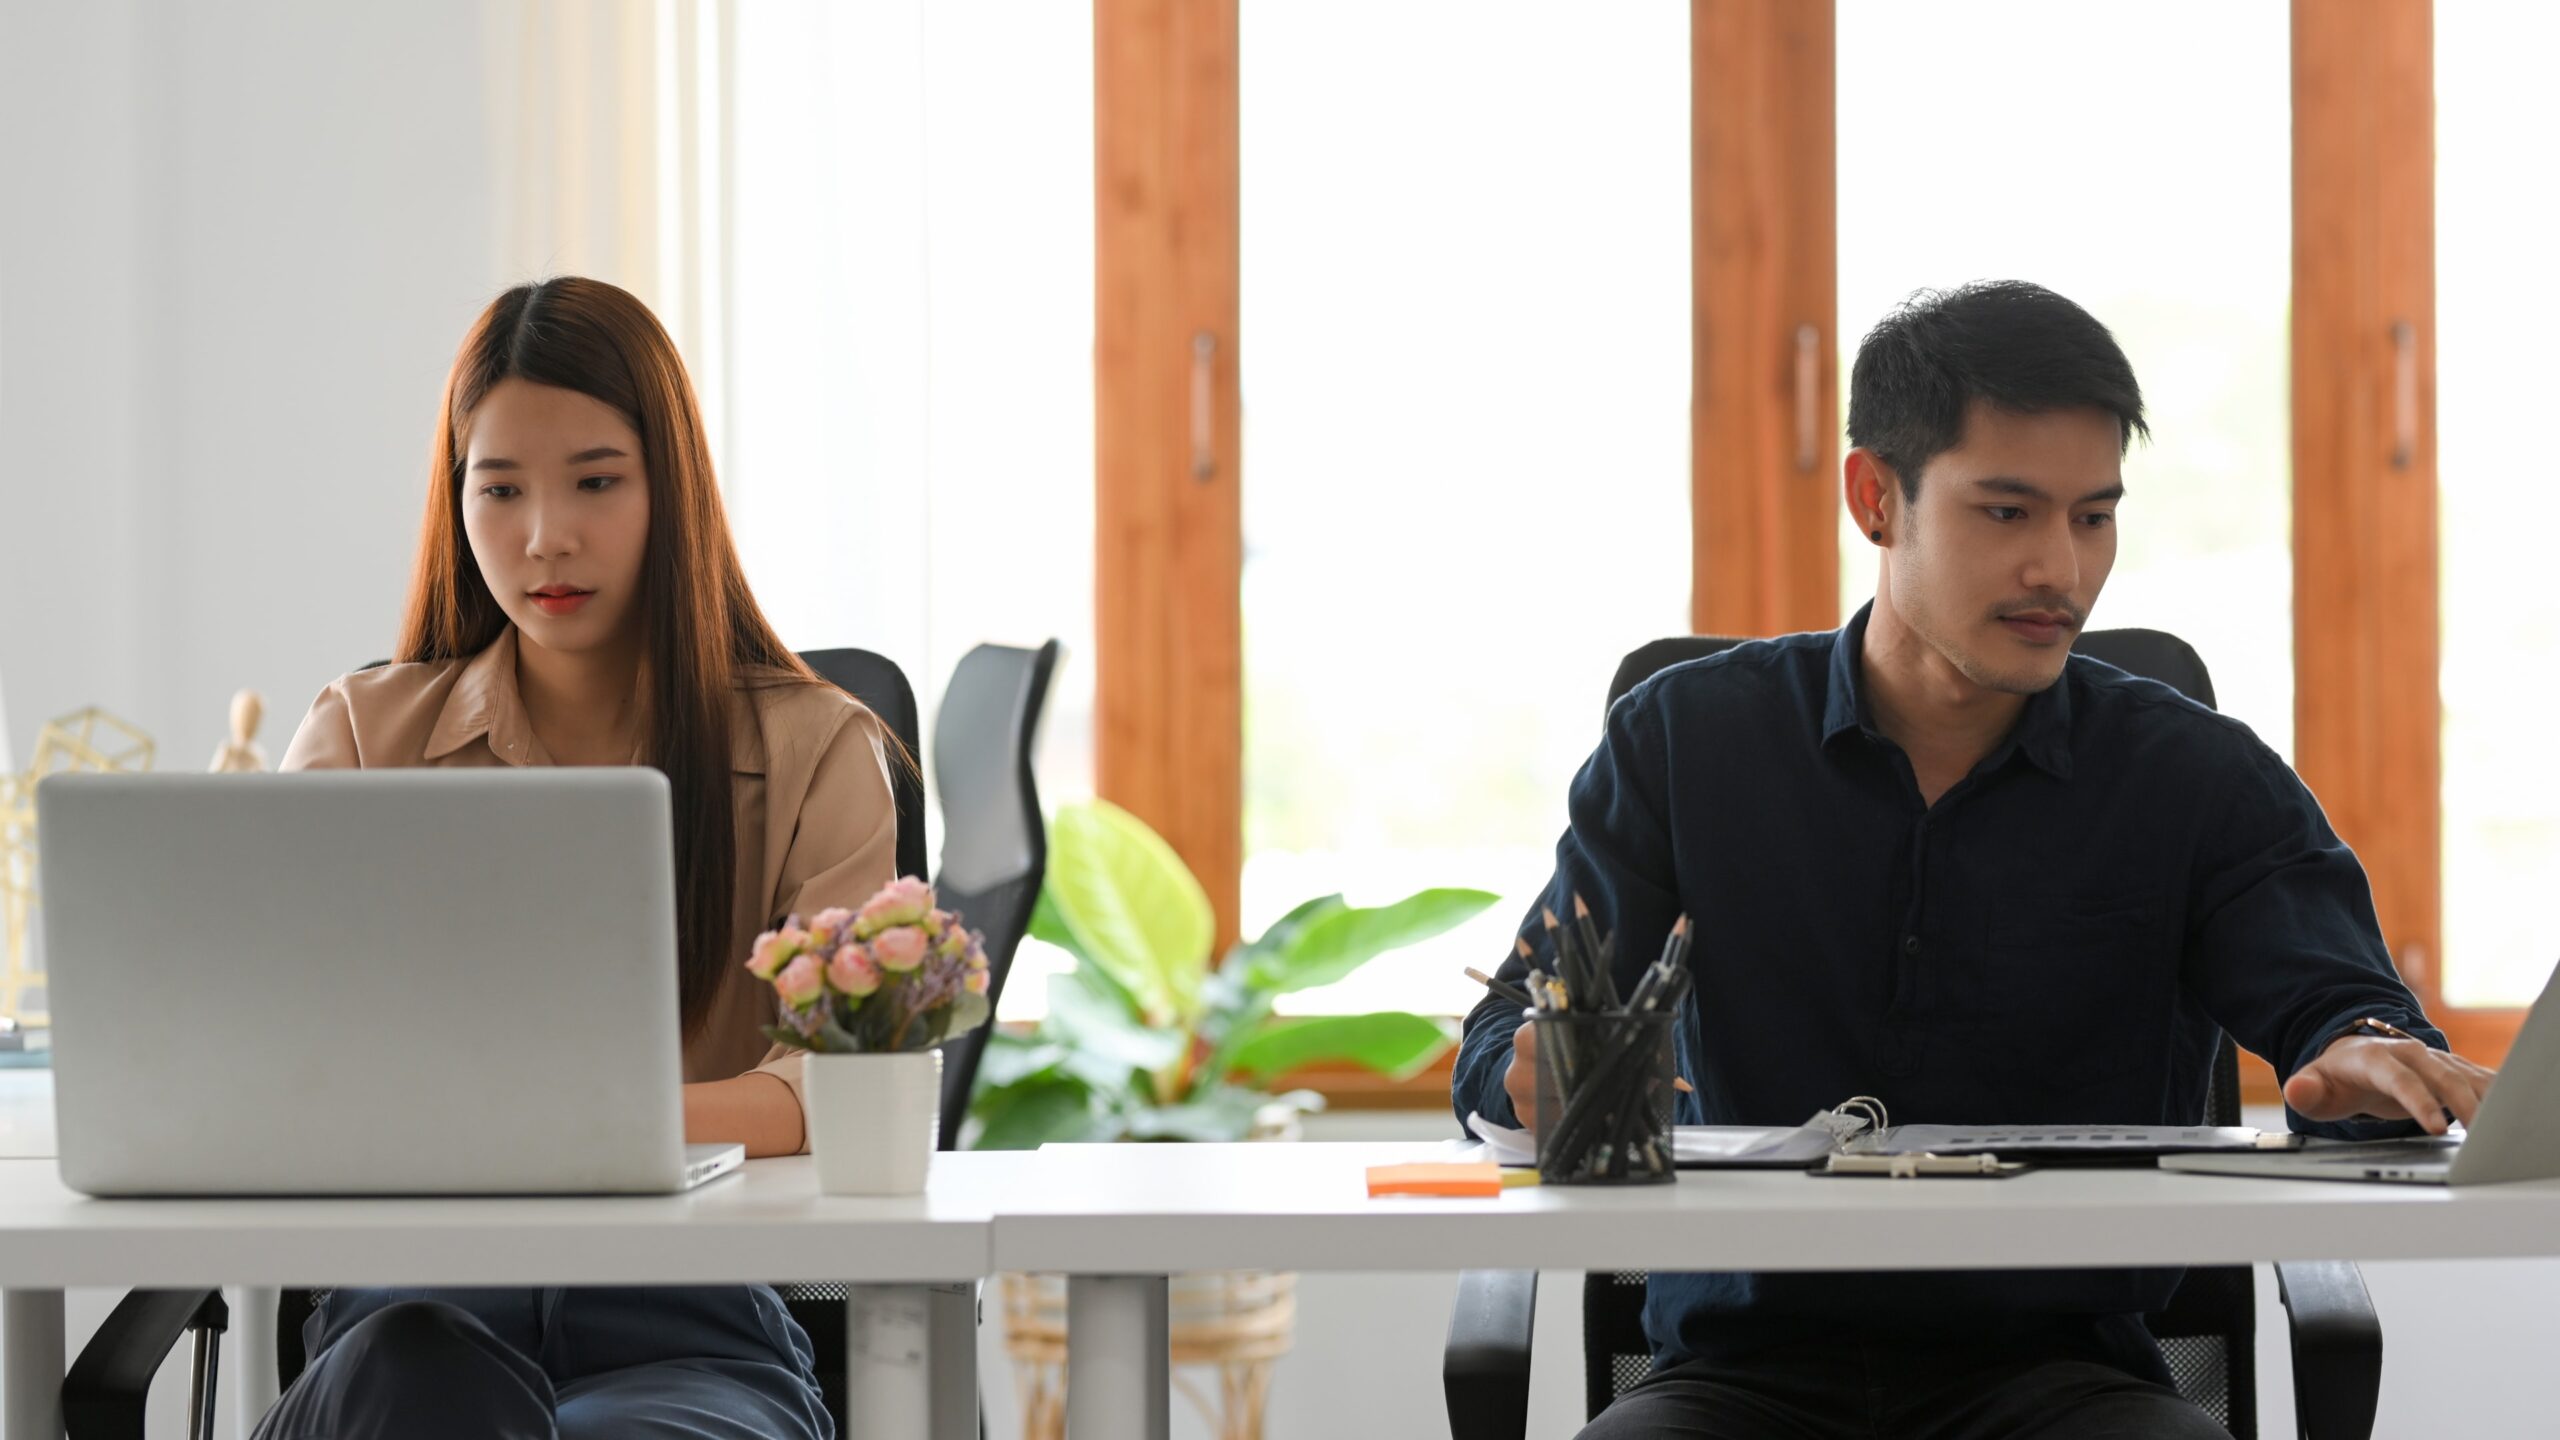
point(2017, 345)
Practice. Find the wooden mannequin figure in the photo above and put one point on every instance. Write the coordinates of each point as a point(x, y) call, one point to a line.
point(241, 755)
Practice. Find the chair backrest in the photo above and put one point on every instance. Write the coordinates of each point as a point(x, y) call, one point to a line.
point(2151, 654)
point(878, 683)
point(2208, 1334)
point(995, 848)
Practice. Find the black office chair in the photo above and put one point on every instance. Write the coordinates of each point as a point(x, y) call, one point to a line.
point(2208, 1334)
point(104, 1394)
point(995, 847)
point(877, 682)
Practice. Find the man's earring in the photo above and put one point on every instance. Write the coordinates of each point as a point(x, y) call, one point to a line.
point(1877, 534)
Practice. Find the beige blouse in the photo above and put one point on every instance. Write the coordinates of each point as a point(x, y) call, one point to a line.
point(809, 779)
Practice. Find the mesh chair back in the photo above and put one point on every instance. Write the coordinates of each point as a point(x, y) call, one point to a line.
point(995, 849)
point(878, 683)
point(2208, 1334)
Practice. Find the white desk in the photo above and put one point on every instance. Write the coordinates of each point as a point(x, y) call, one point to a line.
point(1118, 1218)
point(910, 1360)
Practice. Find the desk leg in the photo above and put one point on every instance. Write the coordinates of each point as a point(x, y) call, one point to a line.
point(31, 1366)
point(1119, 1377)
point(953, 1360)
point(253, 1367)
point(887, 1365)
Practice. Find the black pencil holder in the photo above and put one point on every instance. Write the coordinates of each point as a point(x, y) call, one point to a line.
point(1604, 1098)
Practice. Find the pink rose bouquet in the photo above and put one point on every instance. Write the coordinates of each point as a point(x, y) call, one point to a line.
point(898, 974)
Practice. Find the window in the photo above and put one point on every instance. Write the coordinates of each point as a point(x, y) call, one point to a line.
point(2497, 304)
point(2161, 206)
point(1465, 254)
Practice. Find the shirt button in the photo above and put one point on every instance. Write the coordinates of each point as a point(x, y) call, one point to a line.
point(1910, 944)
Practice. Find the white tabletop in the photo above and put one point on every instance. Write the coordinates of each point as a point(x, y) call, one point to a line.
point(1150, 1209)
point(766, 1221)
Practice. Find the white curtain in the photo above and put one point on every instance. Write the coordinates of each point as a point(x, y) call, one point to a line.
point(609, 141)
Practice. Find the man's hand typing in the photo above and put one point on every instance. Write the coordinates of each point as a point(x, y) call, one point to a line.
point(2386, 1079)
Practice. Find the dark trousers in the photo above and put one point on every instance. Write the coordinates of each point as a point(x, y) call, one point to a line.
point(1836, 1390)
point(655, 1363)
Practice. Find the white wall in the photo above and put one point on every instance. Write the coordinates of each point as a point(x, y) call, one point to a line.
point(238, 245)
point(73, 294)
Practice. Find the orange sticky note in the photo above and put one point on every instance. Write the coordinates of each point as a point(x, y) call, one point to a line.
point(1436, 1178)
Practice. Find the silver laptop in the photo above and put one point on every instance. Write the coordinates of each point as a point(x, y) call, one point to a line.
point(385, 982)
point(2508, 1139)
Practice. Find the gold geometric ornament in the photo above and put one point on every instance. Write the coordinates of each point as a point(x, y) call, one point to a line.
point(86, 740)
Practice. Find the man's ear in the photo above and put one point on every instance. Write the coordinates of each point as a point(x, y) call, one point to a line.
point(1868, 486)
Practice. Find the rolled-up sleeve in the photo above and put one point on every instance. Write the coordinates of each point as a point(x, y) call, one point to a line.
point(2285, 949)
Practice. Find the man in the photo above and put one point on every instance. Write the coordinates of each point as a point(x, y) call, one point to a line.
point(1934, 858)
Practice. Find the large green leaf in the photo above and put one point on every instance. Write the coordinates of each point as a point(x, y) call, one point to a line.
point(1392, 1042)
point(1236, 1012)
point(1093, 1020)
point(1127, 903)
point(1334, 944)
point(1036, 1112)
point(1278, 934)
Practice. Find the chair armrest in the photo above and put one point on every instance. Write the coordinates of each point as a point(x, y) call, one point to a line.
point(2337, 1349)
point(1485, 1370)
point(102, 1397)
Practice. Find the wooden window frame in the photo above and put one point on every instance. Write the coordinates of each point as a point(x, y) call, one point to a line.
point(2368, 716)
point(1764, 438)
point(1168, 523)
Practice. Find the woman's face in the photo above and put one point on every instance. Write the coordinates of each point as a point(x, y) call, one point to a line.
point(555, 503)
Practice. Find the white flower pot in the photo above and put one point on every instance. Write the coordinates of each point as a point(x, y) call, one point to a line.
point(873, 1120)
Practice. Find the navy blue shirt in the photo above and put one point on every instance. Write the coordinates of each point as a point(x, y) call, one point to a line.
point(2060, 939)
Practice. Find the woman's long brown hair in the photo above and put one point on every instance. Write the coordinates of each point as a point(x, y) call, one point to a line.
point(700, 628)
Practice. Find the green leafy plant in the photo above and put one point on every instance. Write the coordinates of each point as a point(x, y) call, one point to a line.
point(1147, 1039)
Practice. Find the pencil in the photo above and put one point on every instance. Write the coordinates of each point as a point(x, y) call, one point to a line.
point(1569, 967)
point(1503, 988)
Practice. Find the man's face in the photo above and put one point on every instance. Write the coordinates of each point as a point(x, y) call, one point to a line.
point(2001, 557)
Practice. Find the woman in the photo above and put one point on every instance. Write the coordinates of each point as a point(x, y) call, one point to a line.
point(577, 601)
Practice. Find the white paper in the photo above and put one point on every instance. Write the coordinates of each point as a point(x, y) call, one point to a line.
point(1508, 1146)
point(1693, 1144)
